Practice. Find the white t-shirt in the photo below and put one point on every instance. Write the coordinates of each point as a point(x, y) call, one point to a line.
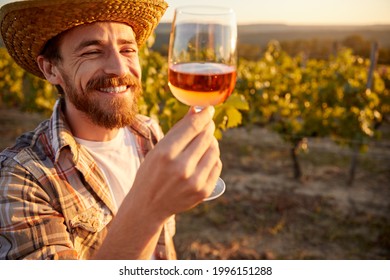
point(118, 160)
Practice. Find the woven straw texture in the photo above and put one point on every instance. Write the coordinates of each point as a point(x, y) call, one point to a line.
point(26, 26)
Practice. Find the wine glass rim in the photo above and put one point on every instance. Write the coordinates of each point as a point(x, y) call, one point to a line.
point(204, 9)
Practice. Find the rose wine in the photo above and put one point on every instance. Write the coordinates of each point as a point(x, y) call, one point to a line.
point(202, 84)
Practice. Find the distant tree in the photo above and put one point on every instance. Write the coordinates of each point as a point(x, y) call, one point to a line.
point(384, 56)
point(358, 44)
point(250, 52)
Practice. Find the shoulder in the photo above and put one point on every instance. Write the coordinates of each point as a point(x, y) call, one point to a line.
point(29, 150)
point(31, 140)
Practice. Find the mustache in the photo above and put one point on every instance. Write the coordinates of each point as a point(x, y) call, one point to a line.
point(105, 81)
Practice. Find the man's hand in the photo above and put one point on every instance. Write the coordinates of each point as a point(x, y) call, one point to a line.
point(175, 176)
point(183, 167)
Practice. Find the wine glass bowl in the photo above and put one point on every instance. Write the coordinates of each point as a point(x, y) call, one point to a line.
point(202, 55)
point(202, 58)
point(202, 84)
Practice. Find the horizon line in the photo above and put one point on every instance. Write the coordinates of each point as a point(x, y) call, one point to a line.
point(304, 24)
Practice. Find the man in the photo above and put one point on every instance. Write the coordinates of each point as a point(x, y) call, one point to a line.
point(92, 181)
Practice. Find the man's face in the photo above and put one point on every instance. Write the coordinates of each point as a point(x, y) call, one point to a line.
point(101, 72)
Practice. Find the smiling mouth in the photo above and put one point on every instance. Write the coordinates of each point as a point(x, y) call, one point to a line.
point(119, 89)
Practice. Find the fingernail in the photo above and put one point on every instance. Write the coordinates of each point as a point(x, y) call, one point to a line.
point(211, 110)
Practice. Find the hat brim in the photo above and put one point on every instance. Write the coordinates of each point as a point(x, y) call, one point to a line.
point(26, 26)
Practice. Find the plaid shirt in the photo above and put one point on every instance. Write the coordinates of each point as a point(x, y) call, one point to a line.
point(54, 201)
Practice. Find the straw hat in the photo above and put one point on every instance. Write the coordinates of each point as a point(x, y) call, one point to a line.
point(26, 26)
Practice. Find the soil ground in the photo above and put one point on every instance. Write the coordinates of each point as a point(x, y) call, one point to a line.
point(266, 214)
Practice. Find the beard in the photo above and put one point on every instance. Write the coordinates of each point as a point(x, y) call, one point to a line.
point(104, 109)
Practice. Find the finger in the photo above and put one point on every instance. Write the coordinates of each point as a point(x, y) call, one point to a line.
point(210, 159)
point(207, 170)
point(213, 178)
point(193, 122)
point(184, 131)
point(196, 149)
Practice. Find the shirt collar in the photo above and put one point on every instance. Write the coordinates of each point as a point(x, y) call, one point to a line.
point(62, 136)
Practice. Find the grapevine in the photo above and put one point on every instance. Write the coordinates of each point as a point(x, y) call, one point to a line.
point(295, 96)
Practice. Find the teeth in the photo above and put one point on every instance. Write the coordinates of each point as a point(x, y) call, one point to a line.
point(114, 89)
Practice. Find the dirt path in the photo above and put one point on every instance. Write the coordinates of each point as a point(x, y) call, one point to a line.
point(265, 214)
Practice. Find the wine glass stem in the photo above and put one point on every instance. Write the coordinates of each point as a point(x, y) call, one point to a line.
point(198, 108)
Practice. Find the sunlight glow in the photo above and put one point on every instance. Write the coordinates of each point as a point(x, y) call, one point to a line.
point(302, 12)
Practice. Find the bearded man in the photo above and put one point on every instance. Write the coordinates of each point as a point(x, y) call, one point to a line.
point(96, 180)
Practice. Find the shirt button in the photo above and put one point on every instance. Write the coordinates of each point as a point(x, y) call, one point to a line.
point(96, 224)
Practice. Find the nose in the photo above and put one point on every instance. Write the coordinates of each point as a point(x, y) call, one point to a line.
point(116, 64)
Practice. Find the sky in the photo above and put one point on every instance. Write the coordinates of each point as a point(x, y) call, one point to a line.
point(305, 12)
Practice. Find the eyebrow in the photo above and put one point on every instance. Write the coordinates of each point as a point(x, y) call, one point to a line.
point(88, 43)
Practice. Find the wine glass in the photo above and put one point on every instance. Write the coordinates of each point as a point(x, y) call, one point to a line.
point(203, 59)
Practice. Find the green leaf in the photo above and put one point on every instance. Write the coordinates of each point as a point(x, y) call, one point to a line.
point(234, 117)
point(218, 133)
point(220, 117)
point(237, 101)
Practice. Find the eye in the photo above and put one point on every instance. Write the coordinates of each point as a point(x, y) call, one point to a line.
point(91, 52)
point(129, 50)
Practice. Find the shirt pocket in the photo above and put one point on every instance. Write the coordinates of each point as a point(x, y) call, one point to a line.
point(93, 219)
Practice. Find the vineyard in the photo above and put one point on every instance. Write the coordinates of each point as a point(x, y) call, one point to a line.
point(345, 98)
point(292, 126)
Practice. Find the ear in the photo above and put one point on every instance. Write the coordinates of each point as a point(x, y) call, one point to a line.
point(49, 70)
